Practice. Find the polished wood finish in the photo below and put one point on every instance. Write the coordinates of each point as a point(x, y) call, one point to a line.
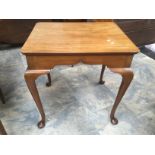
point(2, 129)
point(78, 38)
point(30, 77)
point(52, 44)
point(111, 60)
point(127, 76)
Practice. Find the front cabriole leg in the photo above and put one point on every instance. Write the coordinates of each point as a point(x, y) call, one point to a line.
point(127, 76)
point(30, 77)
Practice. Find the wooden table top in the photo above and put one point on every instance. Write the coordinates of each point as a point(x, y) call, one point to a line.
point(78, 38)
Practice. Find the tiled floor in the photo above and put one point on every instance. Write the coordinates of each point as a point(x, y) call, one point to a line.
point(76, 103)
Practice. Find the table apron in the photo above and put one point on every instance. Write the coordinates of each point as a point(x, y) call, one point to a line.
point(48, 62)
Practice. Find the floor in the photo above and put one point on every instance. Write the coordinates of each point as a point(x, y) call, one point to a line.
point(76, 104)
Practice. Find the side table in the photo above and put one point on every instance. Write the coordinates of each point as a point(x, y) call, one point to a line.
point(51, 44)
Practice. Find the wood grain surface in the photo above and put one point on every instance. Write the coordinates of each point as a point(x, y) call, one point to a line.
point(78, 38)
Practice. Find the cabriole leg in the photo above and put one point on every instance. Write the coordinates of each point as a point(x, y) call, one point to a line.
point(48, 83)
point(127, 76)
point(30, 77)
point(101, 75)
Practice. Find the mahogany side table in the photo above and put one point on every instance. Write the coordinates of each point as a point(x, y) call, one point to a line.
point(56, 43)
